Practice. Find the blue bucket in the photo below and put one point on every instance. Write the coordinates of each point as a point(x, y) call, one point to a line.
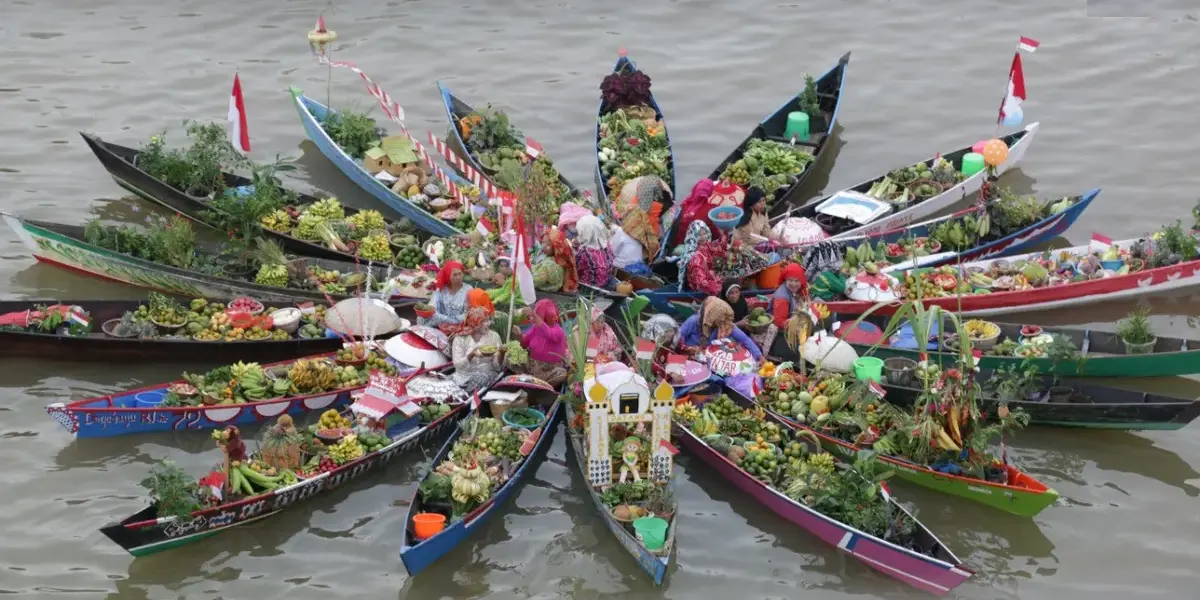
point(725, 217)
point(150, 399)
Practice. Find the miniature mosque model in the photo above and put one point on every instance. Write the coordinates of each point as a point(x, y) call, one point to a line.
point(617, 394)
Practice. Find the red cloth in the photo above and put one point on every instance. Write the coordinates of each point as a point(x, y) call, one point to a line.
point(781, 310)
point(443, 276)
point(547, 311)
point(700, 275)
point(694, 208)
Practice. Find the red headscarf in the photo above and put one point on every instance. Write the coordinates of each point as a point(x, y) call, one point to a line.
point(477, 298)
point(547, 311)
point(443, 277)
point(694, 207)
point(561, 250)
point(795, 271)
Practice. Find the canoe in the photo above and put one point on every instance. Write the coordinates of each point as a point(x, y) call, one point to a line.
point(928, 565)
point(456, 109)
point(1103, 353)
point(1090, 406)
point(830, 87)
point(1018, 143)
point(625, 65)
point(1021, 495)
point(136, 411)
point(311, 114)
point(672, 301)
point(64, 246)
point(654, 564)
point(102, 347)
point(120, 162)
point(145, 533)
point(1070, 294)
point(418, 554)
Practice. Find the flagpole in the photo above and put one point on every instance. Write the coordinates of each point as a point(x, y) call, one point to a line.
point(512, 292)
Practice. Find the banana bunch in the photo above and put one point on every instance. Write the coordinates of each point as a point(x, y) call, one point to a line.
point(326, 209)
point(252, 382)
point(863, 255)
point(306, 228)
point(346, 450)
point(686, 412)
point(239, 370)
point(979, 280)
point(273, 275)
point(277, 221)
point(366, 221)
point(309, 375)
point(706, 424)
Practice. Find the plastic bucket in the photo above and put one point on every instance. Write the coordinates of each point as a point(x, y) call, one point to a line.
point(868, 367)
point(149, 399)
point(770, 277)
point(797, 126)
point(972, 163)
point(427, 525)
point(652, 531)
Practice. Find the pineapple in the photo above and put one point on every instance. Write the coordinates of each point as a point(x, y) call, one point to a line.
point(281, 445)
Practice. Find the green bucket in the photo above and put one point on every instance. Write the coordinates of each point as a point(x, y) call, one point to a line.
point(652, 531)
point(797, 126)
point(972, 163)
point(868, 367)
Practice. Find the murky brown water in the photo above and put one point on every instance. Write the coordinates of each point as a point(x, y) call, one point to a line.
point(1115, 97)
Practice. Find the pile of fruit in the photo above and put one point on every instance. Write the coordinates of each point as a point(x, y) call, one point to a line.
point(933, 283)
point(515, 353)
point(811, 400)
point(364, 222)
point(410, 255)
point(758, 317)
point(981, 330)
point(162, 311)
point(768, 166)
point(375, 247)
point(256, 477)
point(331, 423)
point(348, 376)
point(246, 305)
point(236, 384)
point(632, 144)
point(346, 450)
point(352, 353)
point(433, 412)
point(373, 442)
point(317, 465)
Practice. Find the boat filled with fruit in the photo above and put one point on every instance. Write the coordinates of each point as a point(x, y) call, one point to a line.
point(479, 468)
point(631, 136)
point(845, 505)
point(292, 463)
point(941, 442)
point(239, 393)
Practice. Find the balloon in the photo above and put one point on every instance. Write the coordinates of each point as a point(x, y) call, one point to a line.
point(1013, 115)
point(995, 152)
point(978, 147)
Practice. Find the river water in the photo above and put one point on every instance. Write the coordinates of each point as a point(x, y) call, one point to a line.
point(1115, 97)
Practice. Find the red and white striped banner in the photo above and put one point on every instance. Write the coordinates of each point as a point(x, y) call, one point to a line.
point(485, 185)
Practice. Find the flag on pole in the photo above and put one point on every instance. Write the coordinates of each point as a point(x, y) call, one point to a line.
point(645, 349)
point(1016, 81)
point(522, 271)
point(1027, 44)
point(78, 318)
point(883, 489)
point(475, 401)
point(593, 347)
point(485, 226)
point(1099, 243)
point(532, 148)
point(239, 134)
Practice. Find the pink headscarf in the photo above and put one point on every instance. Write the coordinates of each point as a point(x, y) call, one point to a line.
point(570, 213)
point(694, 208)
point(547, 311)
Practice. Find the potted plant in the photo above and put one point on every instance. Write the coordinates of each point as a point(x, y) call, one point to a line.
point(175, 493)
point(661, 502)
point(1060, 349)
point(1136, 333)
point(810, 103)
point(1015, 383)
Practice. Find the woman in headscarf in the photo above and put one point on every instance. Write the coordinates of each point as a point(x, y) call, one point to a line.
point(475, 350)
point(568, 215)
point(608, 348)
point(695, 265)
point(648, 193)
point(449, 299)
point(635, 243)
point(754, 224)
point(764, 336)
point(593, 260)
point(547, 345)
point(791, 294)
point(713, 322)
point(558, 250)
point(694, 208)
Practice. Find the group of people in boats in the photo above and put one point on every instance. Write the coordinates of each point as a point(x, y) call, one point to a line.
point(582, 249)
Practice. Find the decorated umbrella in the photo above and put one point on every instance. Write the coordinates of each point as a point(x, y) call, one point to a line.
point(363, 317)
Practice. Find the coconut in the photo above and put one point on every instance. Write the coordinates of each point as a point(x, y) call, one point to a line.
point(622, 513)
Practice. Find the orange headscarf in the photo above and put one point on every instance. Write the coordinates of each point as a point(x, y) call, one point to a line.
point(477, 298)
point(561, 250)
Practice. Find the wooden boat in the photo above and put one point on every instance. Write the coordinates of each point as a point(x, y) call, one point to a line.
point(418, 554)
point(139, 410)
point(1061, 295)
point(121, 163)
point(829, 90)
point(312, 113)
point(145, 532)
point(64, 246)
point(625, 65)
point(827, 212)
point(672, 301)
point(927, 565)
point(1020, 495)
point(1101, 354)
point(99, 346)
point(456, 110)
point(654, 564)
point(1089, 405)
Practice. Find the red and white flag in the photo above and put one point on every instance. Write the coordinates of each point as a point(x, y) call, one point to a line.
point(522, 271)
point(239, 134)
point(1099, 243)
point(485, 226)
point(475, 401)
point(645, 349)
point(883, 490)
point(1027, 44)
point(532, 148)
point(1016, 81)
point(593, 347)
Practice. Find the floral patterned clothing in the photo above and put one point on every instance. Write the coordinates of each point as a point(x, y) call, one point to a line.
point(594, 266)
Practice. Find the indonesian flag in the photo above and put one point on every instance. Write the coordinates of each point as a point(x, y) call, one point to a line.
point(593, 347)
point(1016, 80)
point(1099, 243)
point(645, 349)
point(876, 389)
point(522, 272)
point(485, 226)
point(238, 132)
point(215, 482)
point(883, 489)
point(475, 401)
point(532, 148)
point(78, 317)
point(1027, 44)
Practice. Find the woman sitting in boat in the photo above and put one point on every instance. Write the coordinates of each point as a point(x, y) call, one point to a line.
point(713, 322)
point(732, 293)
point(648, 193)
point(608, 348)
point(634, 244)
point(791, 295)
point(694, 208)
point(547, 344)
point(696, 263)
point(449, 299)
point(475, 350)
point(593, 259)
point(568, 215)
point(755, 227)
point(557, 270)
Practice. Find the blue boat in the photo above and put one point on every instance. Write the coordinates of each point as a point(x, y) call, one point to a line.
point(312, 113)
point(625, 65)
point(830, 88)
point(140, 410)
point(671, 301)
point(417, 554)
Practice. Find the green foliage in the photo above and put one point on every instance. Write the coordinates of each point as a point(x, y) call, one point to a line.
point(175, 493)
point(170, 242)
point(354, 131)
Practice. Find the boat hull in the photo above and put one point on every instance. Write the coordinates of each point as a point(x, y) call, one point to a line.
point(652, 564)
point(920, 571)
point(418, 557)
point(311, 112)
point(142, 534)
point(1167, 364)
